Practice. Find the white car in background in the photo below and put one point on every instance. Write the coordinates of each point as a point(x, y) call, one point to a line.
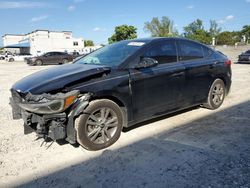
point(4, 55)
point(20, 57)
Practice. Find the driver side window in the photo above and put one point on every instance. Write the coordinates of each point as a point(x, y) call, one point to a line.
point(48, 54)
point(164, 52)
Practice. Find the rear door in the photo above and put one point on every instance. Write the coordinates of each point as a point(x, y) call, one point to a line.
point(199, 68)
point(58, 57)
point(49, 58)
point(157, 90)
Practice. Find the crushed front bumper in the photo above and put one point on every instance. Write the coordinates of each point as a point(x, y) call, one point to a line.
point(54, 126)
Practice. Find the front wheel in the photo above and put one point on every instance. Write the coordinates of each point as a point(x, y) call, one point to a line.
point(38, 62)
point(216, 95)
point(100, 126)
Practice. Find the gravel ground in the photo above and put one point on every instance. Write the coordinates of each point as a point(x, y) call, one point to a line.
point(194, 148)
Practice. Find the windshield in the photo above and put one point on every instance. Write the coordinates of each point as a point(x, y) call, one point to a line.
point(111, 55)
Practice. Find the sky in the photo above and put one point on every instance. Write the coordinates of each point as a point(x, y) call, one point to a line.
point(96, 19)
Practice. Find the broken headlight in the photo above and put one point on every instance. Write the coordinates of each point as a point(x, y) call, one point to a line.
point(49, 104)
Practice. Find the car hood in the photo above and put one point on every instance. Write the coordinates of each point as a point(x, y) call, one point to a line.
point(57, 78)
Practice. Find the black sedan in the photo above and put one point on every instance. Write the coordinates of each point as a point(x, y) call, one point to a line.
point(244, 57)
point(90, 101)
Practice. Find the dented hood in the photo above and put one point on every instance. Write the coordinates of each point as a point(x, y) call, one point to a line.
point(56, 78)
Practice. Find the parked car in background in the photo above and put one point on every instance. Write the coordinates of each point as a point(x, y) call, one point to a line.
point(15, 57)
point(4, 55)
point(50, 58)
point(244, 57)
point(91, 100)
point(75, 54)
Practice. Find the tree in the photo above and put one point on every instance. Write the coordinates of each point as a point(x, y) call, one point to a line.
point(123, 32)
point(196, 31)
point(193, 27)
point(227, 38)
point(246, 31)
point(163, 28)
point(88, 43)
point(214, 30)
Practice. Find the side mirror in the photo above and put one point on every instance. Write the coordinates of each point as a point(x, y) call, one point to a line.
point(146, 62)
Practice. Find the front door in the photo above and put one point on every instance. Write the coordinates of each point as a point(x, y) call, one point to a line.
point(157, 90)
point(49, 58)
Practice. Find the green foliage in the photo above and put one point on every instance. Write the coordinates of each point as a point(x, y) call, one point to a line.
point(163, 28)
point(228, 38)
point(193, 27)
point(123, 32)
point(88, 43)
point(214, 30)
point(246, 31)
point(196, 31)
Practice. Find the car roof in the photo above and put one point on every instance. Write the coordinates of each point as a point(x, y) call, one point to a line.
point(150, 39)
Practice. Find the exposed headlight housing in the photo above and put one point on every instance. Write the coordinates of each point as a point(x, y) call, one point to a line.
point(49, 104)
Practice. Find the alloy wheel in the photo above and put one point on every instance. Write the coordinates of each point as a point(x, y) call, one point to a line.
point(218, 94)
point(102, 125)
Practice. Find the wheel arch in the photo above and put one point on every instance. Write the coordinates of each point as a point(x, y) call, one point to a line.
point(119, 102)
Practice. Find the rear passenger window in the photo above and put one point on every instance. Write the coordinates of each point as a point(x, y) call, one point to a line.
point(165, 52)
point(190, 50)
point(206, 51)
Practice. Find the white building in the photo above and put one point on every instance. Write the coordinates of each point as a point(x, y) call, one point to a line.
point(89, 49)
point(41, 41)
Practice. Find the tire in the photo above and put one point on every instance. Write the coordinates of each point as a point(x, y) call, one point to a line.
point(64, 61)
point(11, 60)
point(38, 62)
point(216, 95)
point(100, 126)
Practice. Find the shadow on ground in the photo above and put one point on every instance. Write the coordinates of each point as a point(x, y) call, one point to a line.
point(213, 151)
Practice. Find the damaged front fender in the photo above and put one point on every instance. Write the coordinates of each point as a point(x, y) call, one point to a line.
point(76, 110)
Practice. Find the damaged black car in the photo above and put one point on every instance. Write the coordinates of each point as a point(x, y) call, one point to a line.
point(90, 101)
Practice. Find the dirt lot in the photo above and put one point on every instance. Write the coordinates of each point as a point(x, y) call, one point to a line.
point(196, 148)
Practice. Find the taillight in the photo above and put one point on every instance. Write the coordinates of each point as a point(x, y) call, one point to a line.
point(228, 62)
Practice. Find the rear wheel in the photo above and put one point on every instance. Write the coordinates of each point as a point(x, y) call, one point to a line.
point(11, 59)
point(100, 126)
point(216, 95)
point(38, 62)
